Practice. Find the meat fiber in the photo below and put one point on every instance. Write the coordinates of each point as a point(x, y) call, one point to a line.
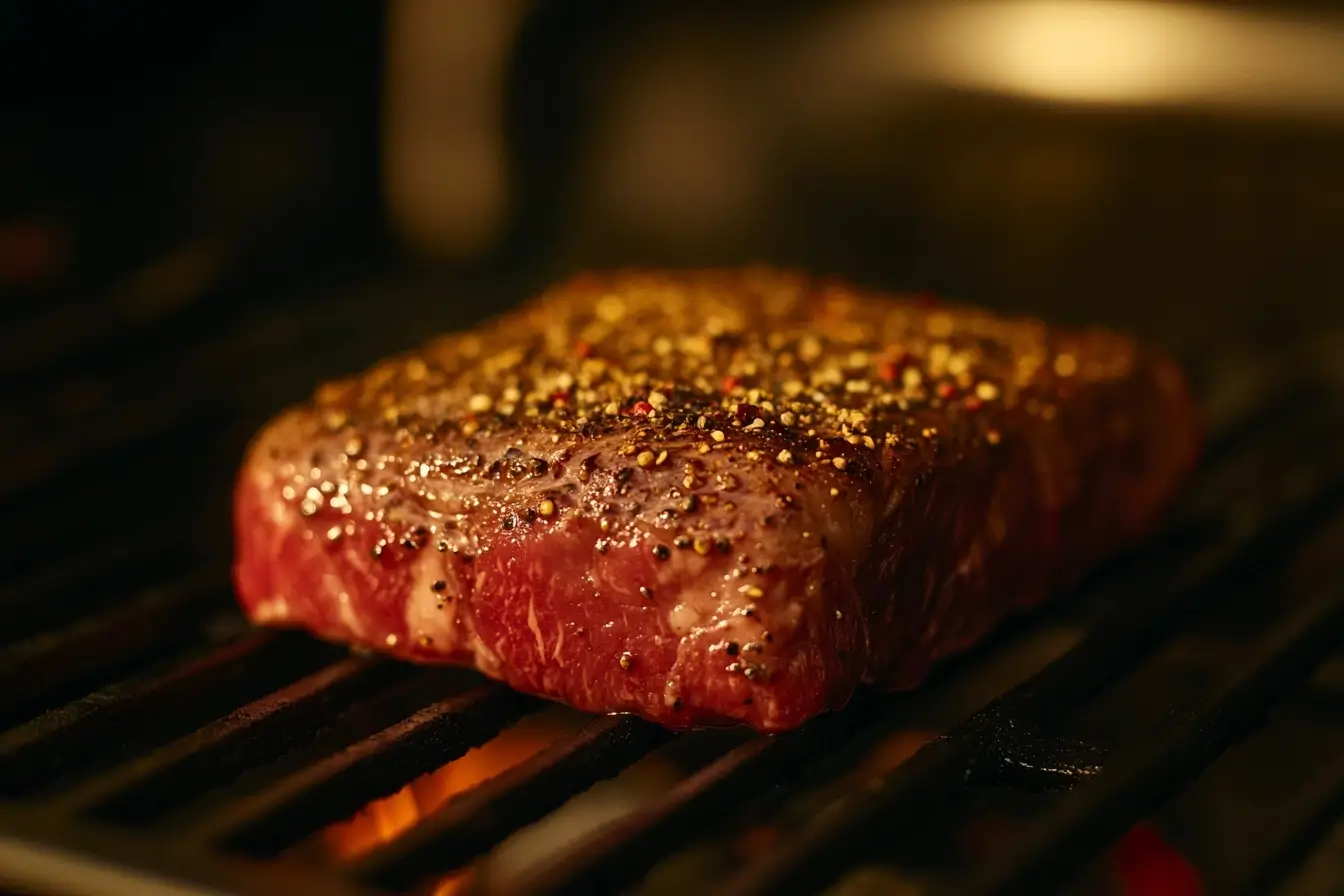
point(707, 498)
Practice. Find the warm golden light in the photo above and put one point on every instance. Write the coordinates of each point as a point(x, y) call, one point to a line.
point(385, 819)
point(388, 818)
point(1110, 52)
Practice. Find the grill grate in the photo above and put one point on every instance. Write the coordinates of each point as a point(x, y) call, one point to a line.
point(1137, 780)
point(482, 818)
point(153, 744)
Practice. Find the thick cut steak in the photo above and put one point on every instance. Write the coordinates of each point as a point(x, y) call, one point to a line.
point(708, 497)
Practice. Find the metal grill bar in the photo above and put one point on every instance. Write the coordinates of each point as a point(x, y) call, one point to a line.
point(1321, 806)
point(57, 854)
point(127, 717)
point(140, 629)
point(1142, 777)
point(136, 424)
point(627, 848)
point(35, 522)
point(336, 787)
point(40, 865)
point(480, 818)
point(1280, 511)
point(408, 690)
point(141, 791)
point(53, 594)
point(105, 327)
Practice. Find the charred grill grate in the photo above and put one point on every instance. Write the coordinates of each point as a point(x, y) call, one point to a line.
point(151, 743)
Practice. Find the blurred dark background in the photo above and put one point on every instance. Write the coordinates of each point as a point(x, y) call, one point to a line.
point(206, 208)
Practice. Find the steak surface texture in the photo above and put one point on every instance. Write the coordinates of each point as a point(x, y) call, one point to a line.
point(708, 497)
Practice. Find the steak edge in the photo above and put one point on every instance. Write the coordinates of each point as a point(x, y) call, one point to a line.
point(710, 497)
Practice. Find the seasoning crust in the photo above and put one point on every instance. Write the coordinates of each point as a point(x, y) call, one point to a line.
point(765, 488)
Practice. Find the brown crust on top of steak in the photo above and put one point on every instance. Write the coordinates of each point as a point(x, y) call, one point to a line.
point(807, 486)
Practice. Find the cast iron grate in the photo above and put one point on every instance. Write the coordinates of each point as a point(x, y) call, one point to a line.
point(150, 743)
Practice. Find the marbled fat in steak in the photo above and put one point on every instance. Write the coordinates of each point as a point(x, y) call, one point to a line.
point(712, 497)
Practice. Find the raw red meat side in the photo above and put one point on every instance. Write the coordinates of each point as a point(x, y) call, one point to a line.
point(708, 498)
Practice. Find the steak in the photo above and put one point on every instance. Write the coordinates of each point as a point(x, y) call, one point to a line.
point(710, 497)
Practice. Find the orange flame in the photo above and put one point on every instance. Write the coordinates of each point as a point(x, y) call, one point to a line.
point(387, 818)
point(454, 884)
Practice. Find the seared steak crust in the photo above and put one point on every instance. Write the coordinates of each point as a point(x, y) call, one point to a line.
point(708, 497)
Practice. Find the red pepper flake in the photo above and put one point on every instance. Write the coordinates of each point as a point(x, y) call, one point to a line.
point(642, 407)
point(973, 403)
point(947, 391)
point(730, 383)
point(560, 399)
point(583, 349)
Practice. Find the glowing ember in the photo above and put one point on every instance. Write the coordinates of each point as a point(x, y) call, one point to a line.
point(1146, 865)
point(455, 883)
